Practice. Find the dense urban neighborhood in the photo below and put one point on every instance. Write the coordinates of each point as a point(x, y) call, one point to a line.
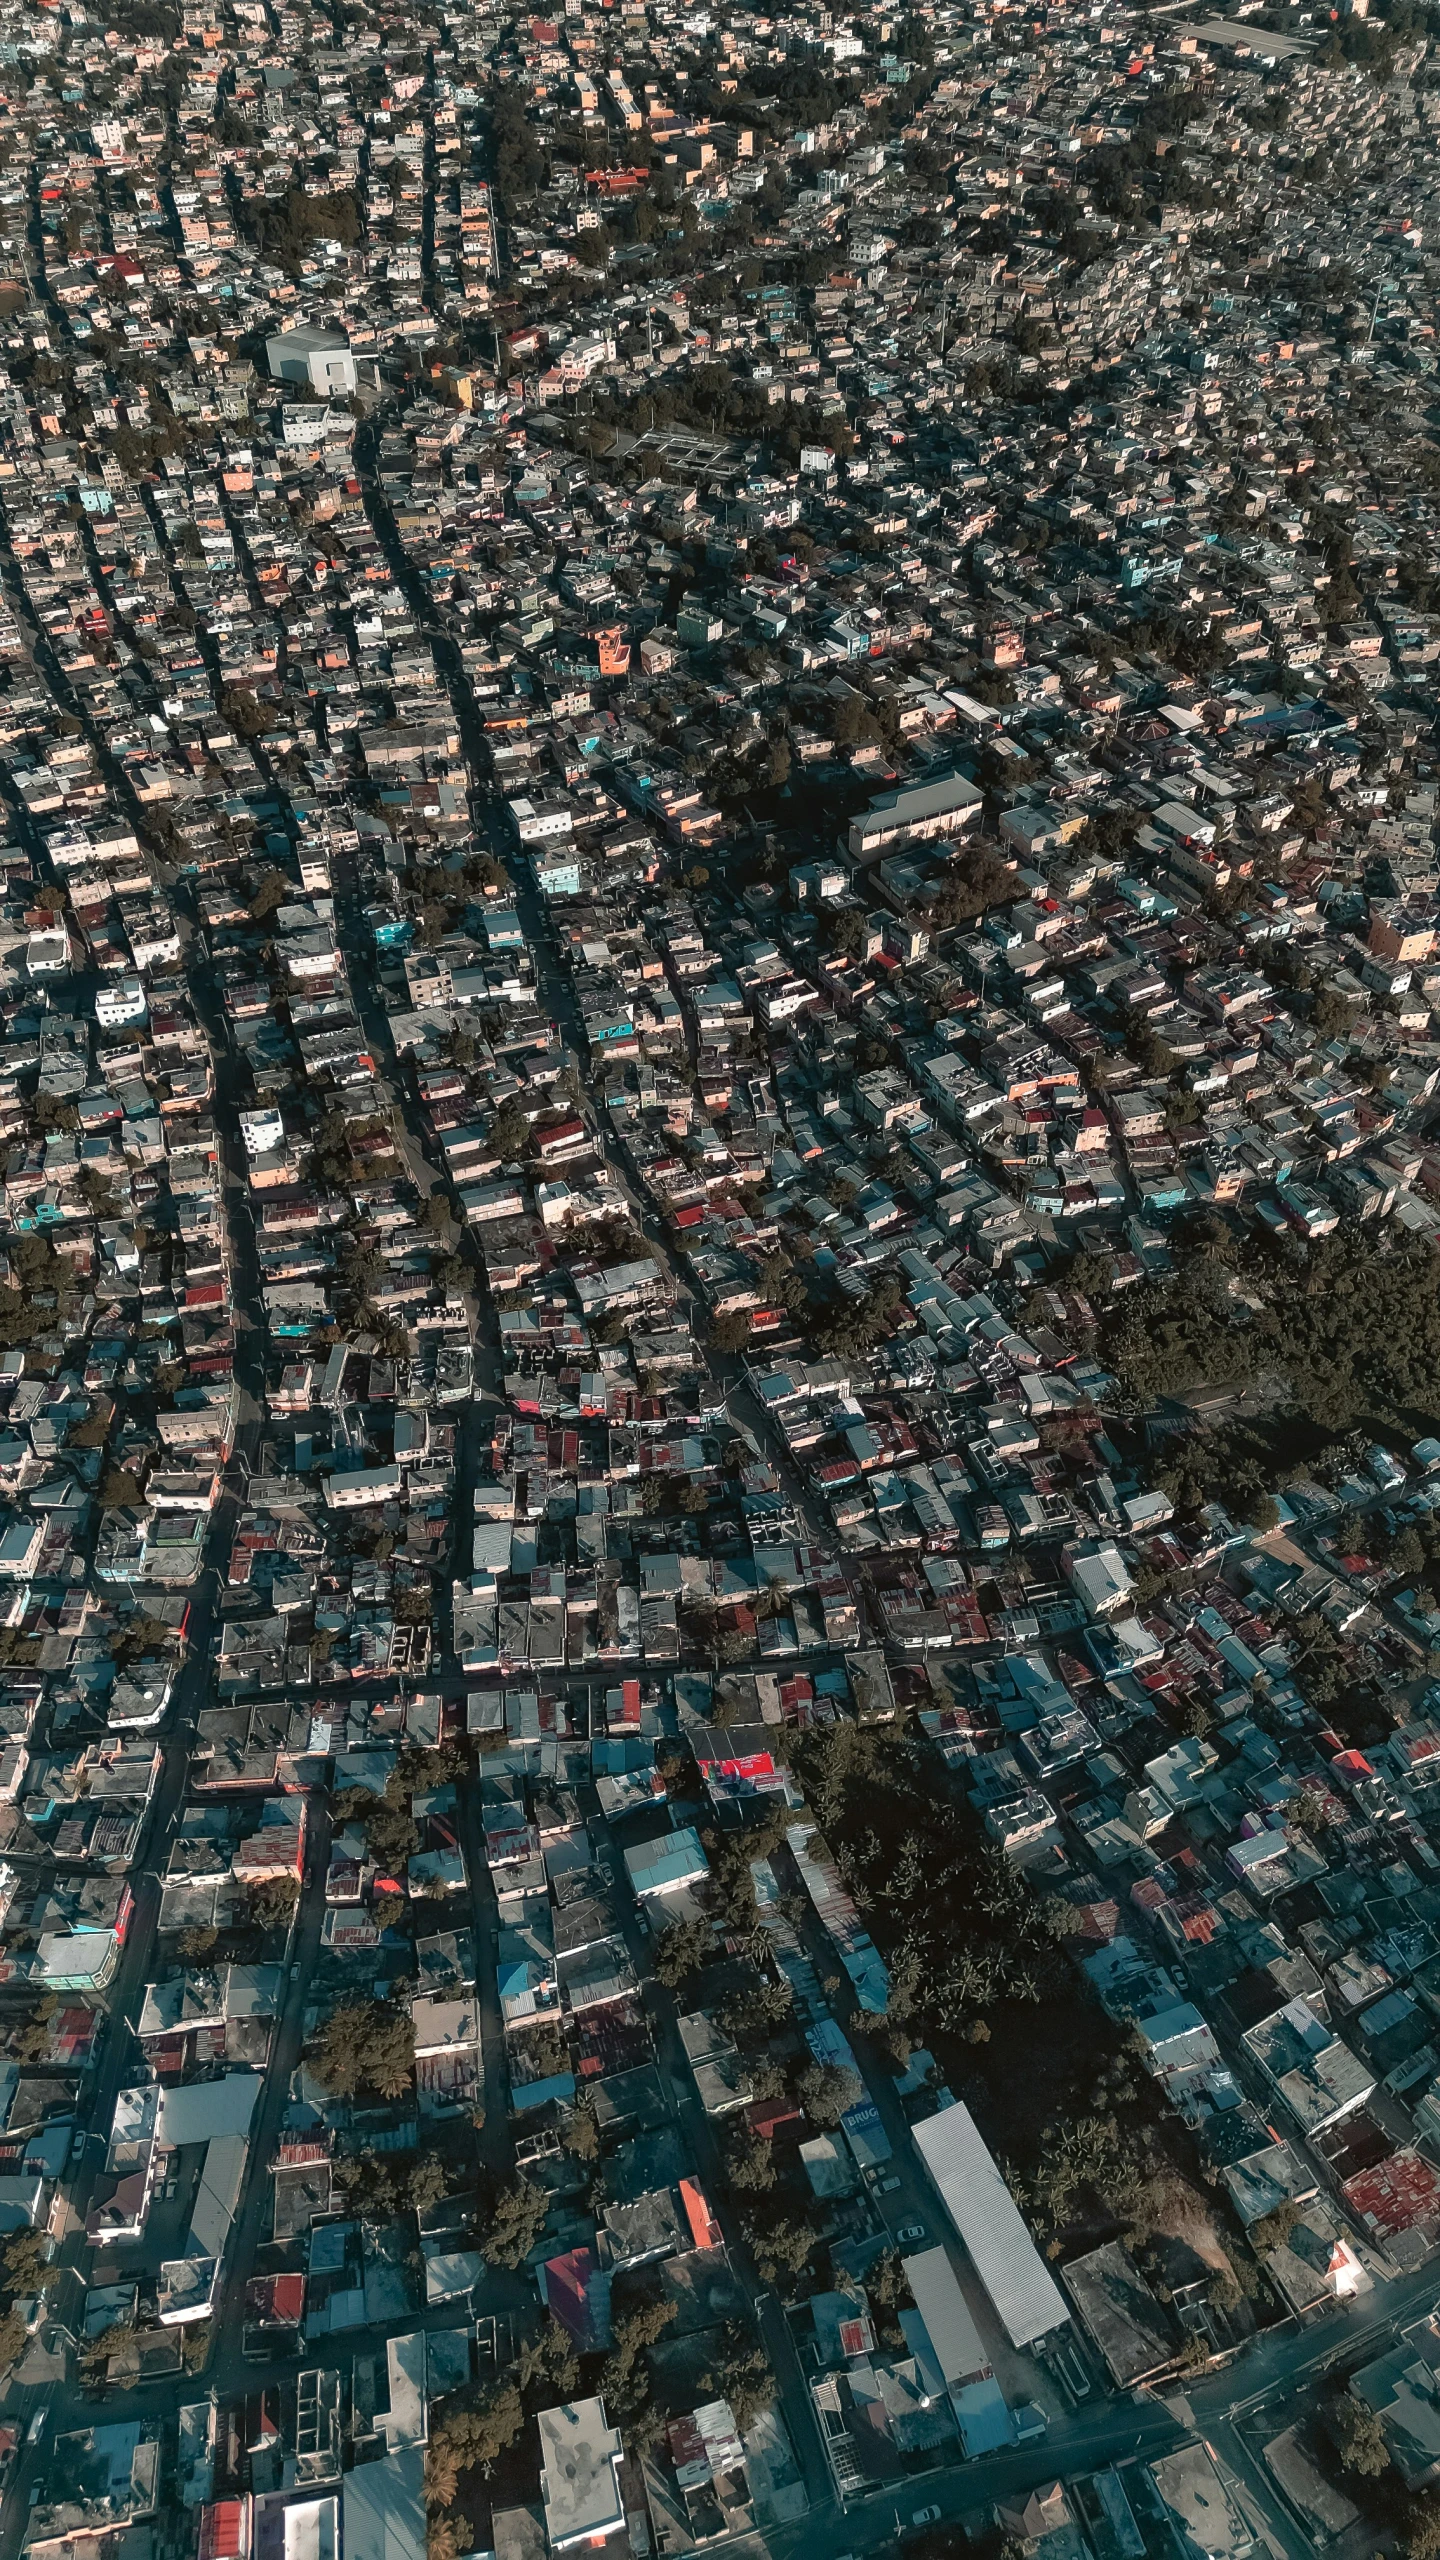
point(719, 1281)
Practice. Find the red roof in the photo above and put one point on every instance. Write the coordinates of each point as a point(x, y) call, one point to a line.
point(704, 2229)
point(1395, 2194)
point(558, 1132)
point(770, 2116)
point(224, 2529)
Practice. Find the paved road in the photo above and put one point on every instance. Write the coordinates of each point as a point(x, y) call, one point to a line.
point(965, 2494)
point(229, 2372)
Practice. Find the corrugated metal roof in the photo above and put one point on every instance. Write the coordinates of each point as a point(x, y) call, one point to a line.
point(989, 2222)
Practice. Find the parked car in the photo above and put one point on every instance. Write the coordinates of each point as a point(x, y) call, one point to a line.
point(910, 2232)
point(926, 2515)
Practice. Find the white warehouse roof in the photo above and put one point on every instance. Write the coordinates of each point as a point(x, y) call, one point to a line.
point(989, 2223)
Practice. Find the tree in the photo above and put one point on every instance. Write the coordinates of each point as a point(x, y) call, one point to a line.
point(140, 1635)
point(426, 2181)
point(547, 2364)
point(483, 2432)
point(634, 2331)
point(779, 2243)
point(625, 2376)
point(516, 2223)
point(272, 891)
point(1358, 2437)
point(680, 1950)
point(271, 1903)
point(519, 160)
point(27, 2268)
point(366, 2044)
point(390, 1832)
point(382, 2187)
point(283, 229)
point(854, 723)
point(846, 931)
point(739, 2373)
point(730, 1333)
point(94, 1431)
point(1407, 1553)
point(440, 1764)
point(1422, 2529)
point(583, 2134)
point(510, 1131)
point(442, 2482)
point(31, 2041)
point(248, 716)
point(753, 2015)
point(96, 2351)
point(749, 2163)
point(826, 2091)
point(1331, 1015)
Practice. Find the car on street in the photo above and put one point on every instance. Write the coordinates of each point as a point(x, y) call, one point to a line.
point(910, 2232)
point(926, 2515)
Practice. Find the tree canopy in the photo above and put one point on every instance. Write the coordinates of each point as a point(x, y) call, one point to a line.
point(366, 2044)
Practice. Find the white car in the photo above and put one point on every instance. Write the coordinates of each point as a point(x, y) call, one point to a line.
point(926, 2515)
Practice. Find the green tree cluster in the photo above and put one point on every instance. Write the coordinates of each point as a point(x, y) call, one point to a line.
point(516, 2223)
point(1352, 1333)
point(626, 2383)
point(469, 2438)
point(283, 228)
point(739, 2372)
point(391, 1836)
point(385, 2185)
point(366, 2044)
